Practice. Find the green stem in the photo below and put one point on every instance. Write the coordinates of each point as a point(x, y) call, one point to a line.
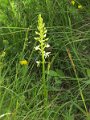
point(45, 92)
point(44, 80)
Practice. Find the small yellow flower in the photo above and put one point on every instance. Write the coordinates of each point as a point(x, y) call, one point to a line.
point(79, 6)
point(23, 62)
point(73, 2)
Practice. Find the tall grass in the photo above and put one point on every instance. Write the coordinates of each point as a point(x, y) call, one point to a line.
point(57, 89)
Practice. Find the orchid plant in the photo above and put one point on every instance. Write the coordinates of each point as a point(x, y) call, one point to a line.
point(42, 41)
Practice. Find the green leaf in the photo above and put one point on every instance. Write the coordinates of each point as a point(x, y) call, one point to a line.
point(88, 72)
point(52, 73)
point(60, 72)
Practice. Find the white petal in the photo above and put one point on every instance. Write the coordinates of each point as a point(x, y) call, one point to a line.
point(38, 63)
point(47, 45)
point(37, 48)
point(47, 54)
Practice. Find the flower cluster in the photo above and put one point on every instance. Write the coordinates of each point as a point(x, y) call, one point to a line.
point(46, 54)
point(79, 5)
point(41, 39)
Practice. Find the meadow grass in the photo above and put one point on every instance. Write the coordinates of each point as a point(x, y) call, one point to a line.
point(52, 83)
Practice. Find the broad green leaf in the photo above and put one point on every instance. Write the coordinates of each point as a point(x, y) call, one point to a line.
point(60, 72)
point(52, 73)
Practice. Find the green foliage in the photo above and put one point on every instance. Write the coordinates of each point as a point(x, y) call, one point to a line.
point(23, 90)
point(88, 72)
point(88, 116)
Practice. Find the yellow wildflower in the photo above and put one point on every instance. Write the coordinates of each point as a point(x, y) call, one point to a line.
point(23, 62)
point(79, 6)
point(73, 2)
